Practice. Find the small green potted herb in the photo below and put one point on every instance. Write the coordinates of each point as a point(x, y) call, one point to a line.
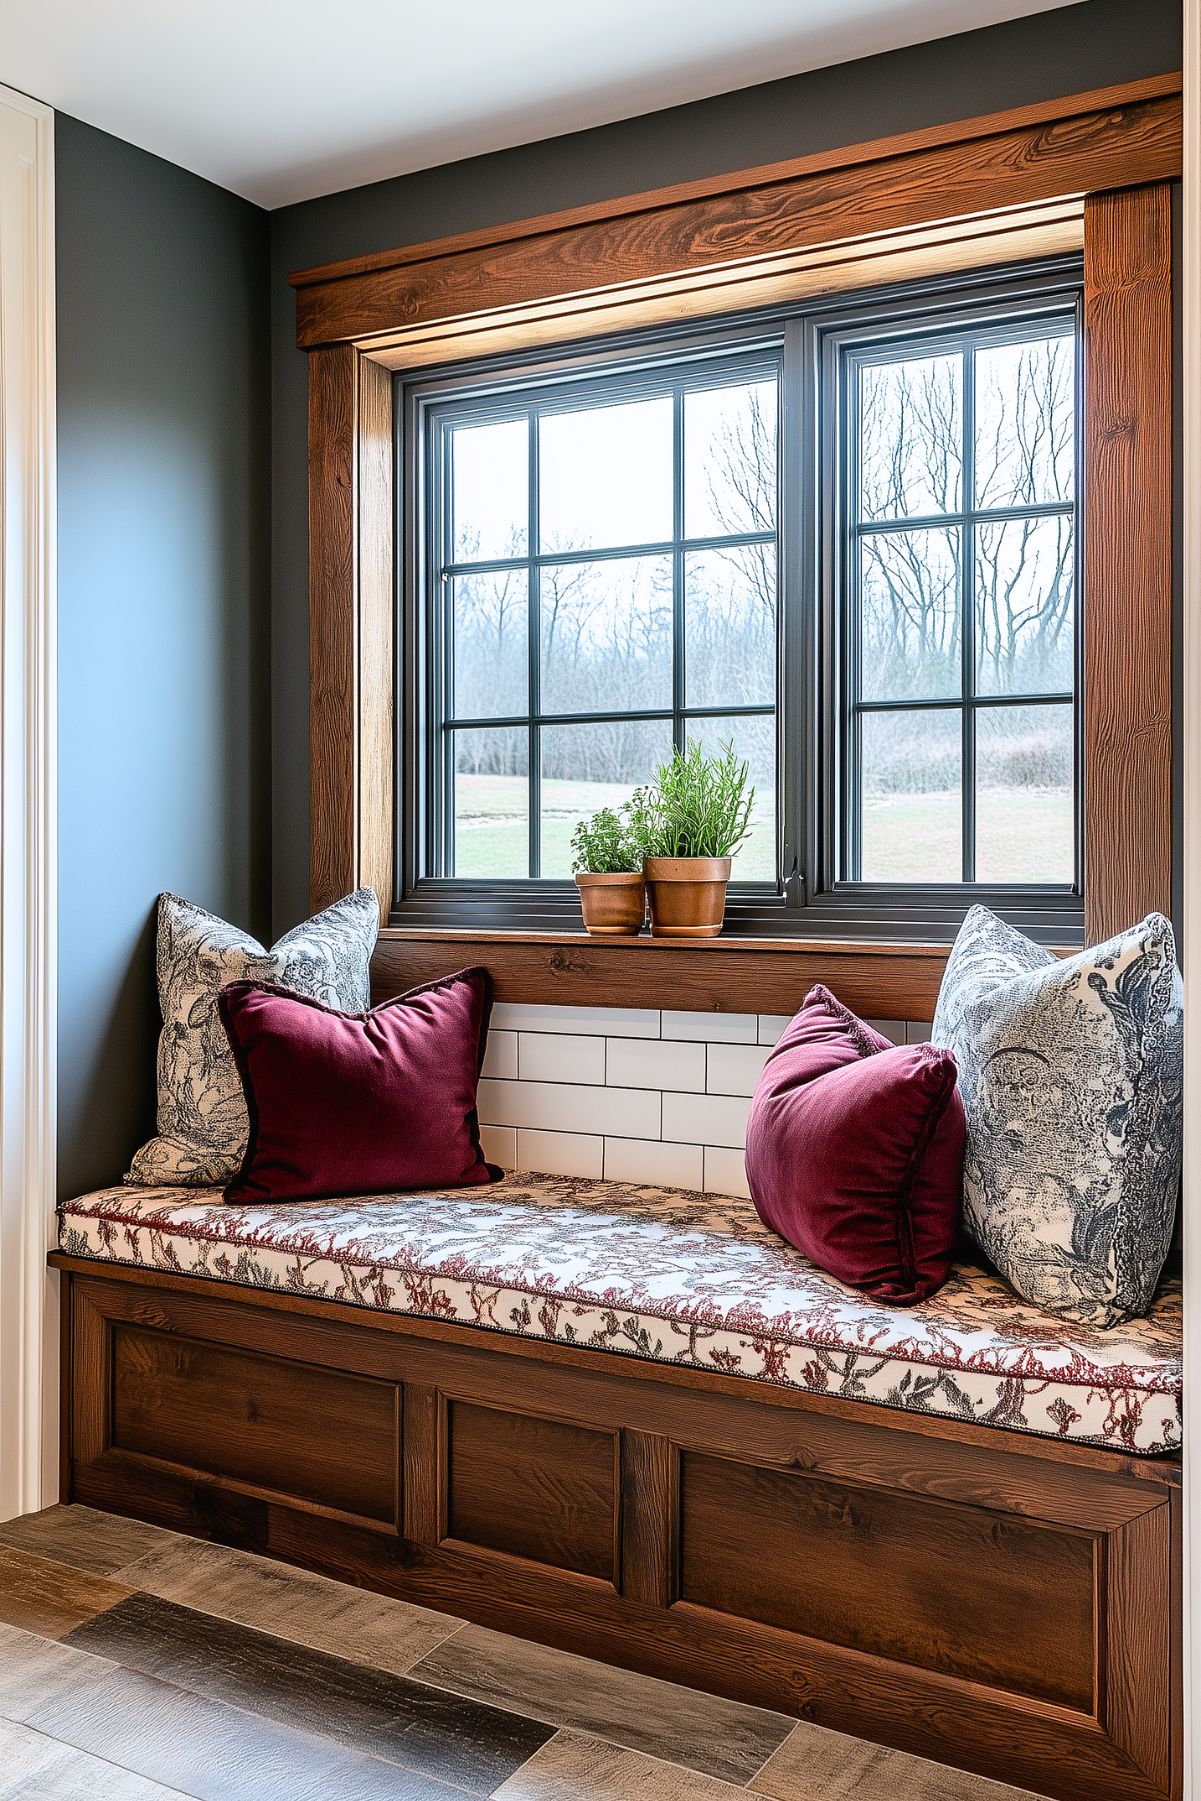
point(607, 860)
point(690, 822)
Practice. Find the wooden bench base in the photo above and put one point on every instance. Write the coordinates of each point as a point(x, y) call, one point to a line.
point(1002, 1603)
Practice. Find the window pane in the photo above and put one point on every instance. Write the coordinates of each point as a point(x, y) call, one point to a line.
point(911, 774)
point(492, 802)
point(490, 628)
point(1025, 422)
point(606, 635)
point(909, 615)
point(605, 476)
point(1024, 807)
point(730, 626)
point(911, 437)
point(585, 767)
point(754, 740)
point(1025, 606)
point(730, 460)
point(489, 485)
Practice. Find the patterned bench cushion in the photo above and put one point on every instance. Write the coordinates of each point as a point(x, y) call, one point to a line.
point(672, 1277)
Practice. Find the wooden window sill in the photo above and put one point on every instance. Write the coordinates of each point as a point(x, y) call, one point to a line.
point(705, 975)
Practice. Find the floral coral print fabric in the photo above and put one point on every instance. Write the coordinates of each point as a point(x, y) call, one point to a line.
point(202, 1120)
point(1072, 1076)
point(676, 1278)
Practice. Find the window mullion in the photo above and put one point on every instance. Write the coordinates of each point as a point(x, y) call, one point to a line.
point(678, 672)
point(967, 614)
point(534, 652)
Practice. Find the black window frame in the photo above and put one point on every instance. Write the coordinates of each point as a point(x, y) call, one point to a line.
point(812, 338)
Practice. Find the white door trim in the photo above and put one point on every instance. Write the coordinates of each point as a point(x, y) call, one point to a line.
point(1191, 925)
point(28, 865)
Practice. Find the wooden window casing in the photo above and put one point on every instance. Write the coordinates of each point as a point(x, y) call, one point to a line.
point(1091, 170)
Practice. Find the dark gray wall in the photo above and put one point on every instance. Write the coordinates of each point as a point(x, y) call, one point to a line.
point(163, 622)
point(1061, 52)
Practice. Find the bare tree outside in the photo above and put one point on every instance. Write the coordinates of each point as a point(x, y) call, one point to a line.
point(605, 622)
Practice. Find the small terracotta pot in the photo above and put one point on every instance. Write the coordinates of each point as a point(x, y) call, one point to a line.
point(613, 905)
point(687, 895)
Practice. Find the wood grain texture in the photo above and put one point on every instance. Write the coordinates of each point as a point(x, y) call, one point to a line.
point(574, 1765)
point(945, 1587)
point(51, 1598)
point(410, 1724)
point(34, 1767)
point(814, 1764)
point(920, 1453)
point(702, 1732)
point(887, 1573)
point(989, 164)
point(377, 605)
point(292, 1604)
point(650, 1474)
point(164, 1733)
point(1128, 557)
point(87, 1540)
point(920, 252)
point(333, 624)
point(538, 1488)
point(726, 975)
point(329, 1437)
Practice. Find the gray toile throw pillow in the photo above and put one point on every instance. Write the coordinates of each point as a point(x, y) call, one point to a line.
point(1071, 1071)
point(202, 1119)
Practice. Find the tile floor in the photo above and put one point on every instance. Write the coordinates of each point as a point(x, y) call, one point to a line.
point(139, 1665)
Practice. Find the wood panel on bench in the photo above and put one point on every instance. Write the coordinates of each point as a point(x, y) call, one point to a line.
point(990, 1600)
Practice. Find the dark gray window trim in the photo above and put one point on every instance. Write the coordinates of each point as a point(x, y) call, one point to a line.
point(810, 900)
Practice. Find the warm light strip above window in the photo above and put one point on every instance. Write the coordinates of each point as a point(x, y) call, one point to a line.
point(1012, 235)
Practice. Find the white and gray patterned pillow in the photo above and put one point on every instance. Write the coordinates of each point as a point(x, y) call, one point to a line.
point(202, 1119)
point(1071, 1071)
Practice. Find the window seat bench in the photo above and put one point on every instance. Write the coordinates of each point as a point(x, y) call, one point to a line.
point(633, 1423)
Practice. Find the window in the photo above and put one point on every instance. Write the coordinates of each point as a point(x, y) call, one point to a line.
point(843, 539)
point(604, 587)
point(960, 609)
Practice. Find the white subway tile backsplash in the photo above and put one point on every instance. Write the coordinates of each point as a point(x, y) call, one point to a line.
point(559, 1057)
point(561, 1154)
point(615, 1022)
point(725, 1171)
point(736, 1068)
point(568, 1107)
point(656, 1063)
point(712, 1028)
point(771, 1026)
point(499, 1145)
point(918, 1031)
point(706, 1119)
point(500, 1058)
point(645, 1160)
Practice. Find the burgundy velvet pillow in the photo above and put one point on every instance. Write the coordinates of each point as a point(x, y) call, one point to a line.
point(358, 1103)
point(854, 1152)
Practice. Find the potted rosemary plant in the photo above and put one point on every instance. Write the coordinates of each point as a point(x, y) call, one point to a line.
point(690, 822)
point(607, 860)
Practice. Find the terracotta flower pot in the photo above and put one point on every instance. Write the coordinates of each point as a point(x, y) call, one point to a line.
point(613, 905)
point(687, 895)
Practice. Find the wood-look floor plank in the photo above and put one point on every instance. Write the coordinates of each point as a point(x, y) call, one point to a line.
point(100, 1542)
point(814, 1764)
point(574, 1767)
point(293, 1604)
point(409, 1723)
point(721, 1738)
point(36, 1768)
point(203, 1748)
point(51, 1598)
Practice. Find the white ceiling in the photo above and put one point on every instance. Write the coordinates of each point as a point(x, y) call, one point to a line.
point(281, 100)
